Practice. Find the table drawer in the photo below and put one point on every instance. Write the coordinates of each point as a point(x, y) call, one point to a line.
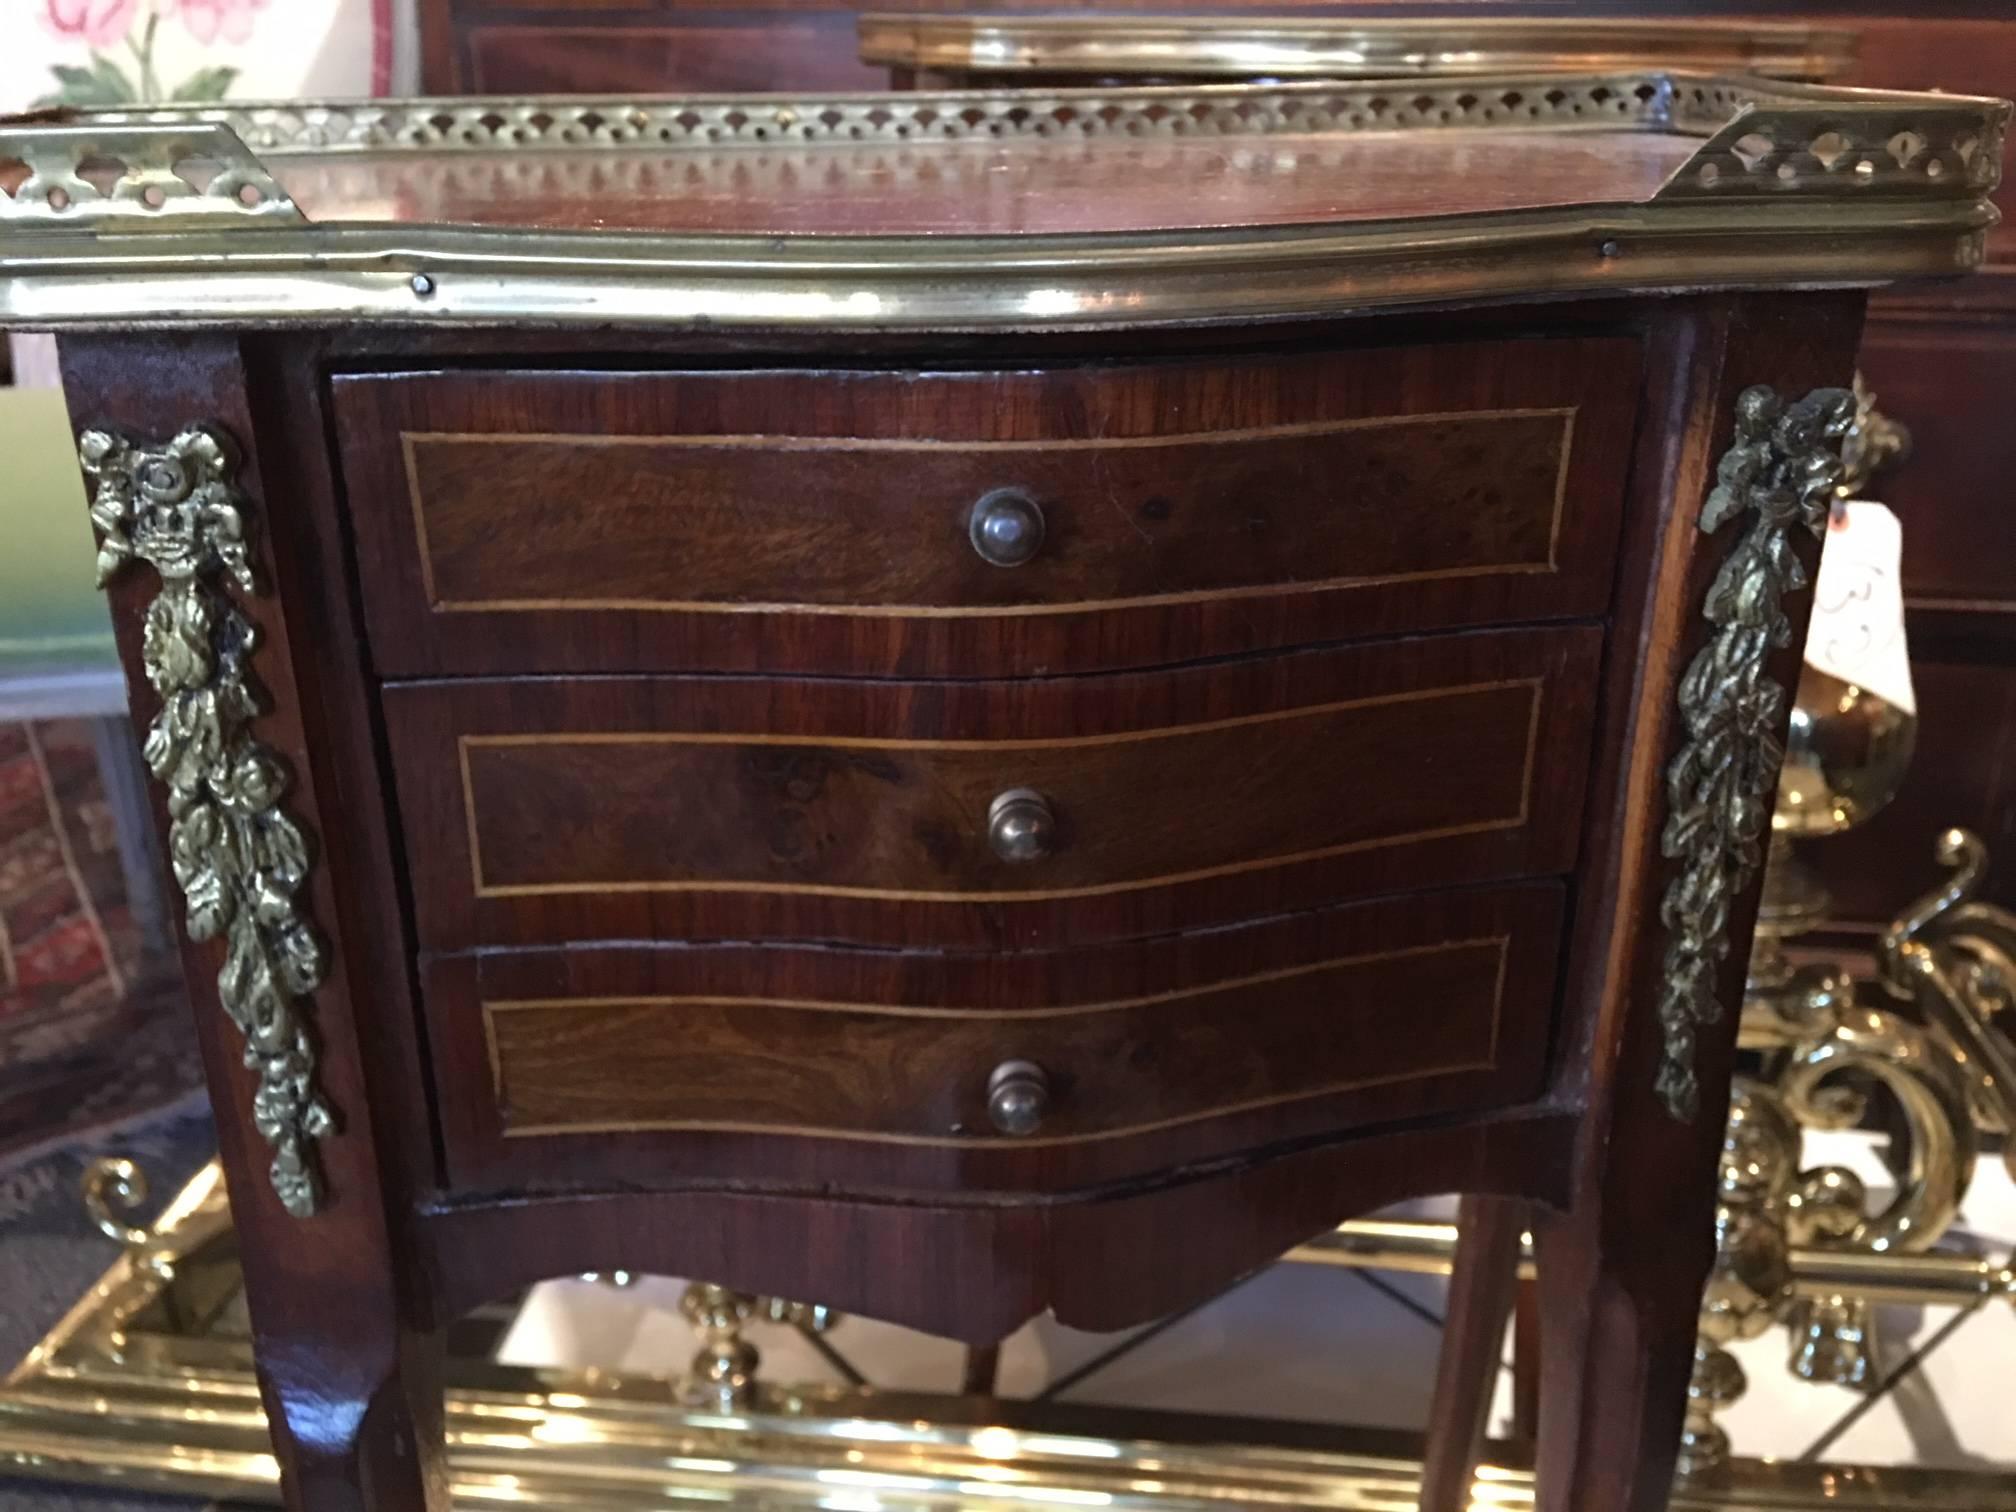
point(835, 1066)
point(1039, 810)
point(865, 521)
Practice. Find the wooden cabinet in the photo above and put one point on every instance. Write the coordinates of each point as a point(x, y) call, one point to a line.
point(1028, 767)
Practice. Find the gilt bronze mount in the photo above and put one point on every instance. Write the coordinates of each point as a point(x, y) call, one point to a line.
point(1781, 474)
point(240, 860)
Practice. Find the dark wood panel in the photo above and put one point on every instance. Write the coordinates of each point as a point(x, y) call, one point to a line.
point(802, 523)
point(670, 808)
point(976, 1270)
point(818, 520)
point(707, 51)
point(909, 820)
point(1972, 56)
point(1949, 378)
point(629, 1063)
point(562, 44)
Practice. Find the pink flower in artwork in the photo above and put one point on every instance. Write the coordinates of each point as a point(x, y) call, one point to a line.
point(99, 23)
point(208, 20)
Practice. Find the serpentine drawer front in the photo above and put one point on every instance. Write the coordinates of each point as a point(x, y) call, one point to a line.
point(1002, 1070)
point(547, 810)
point(887, 521)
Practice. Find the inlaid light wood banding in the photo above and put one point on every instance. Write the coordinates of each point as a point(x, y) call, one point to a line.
point(816, 519)
point(872, 526)
point(913, 1074)
point(904, 820)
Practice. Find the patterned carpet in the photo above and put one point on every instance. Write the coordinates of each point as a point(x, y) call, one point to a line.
point(93, 1034)
point(97, 1053)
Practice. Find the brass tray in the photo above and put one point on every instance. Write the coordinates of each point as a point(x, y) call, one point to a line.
point(190, 216)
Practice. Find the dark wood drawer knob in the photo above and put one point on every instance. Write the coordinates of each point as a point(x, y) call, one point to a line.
point(1006, 527)
point(1018, 1095)
point(1020, 825)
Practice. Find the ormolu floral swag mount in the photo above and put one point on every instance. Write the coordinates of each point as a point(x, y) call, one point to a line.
point(240, 860)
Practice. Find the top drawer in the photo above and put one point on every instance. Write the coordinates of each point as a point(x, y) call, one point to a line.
point(825, 521)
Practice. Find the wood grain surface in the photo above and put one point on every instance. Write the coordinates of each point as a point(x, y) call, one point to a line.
point(673, 808)
point(1064, 182)
point(817, 520)
point(820, 1064)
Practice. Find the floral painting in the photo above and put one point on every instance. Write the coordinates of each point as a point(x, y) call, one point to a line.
point(96, 53)
point(121, 38)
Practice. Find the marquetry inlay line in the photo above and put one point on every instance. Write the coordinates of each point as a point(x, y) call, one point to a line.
point(1457, 1067)
point(1561, 488)
point(1533, 686)
point(410, 441)
point(1504, 944)
point(1014, 1015)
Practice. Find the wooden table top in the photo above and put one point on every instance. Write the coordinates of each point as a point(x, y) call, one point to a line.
point(1112, 184)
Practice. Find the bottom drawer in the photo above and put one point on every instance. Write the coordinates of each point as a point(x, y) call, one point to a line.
point(1020, 1071)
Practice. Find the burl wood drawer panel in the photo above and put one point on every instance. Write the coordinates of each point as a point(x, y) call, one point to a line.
point(745, 1062)
point(556, 809)
point(822, 521)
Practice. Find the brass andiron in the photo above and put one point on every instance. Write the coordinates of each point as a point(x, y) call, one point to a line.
point(722, 1377)
point(1949, 1069)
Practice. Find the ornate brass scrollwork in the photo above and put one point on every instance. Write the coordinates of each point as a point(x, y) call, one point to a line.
point(1874, 441)
point(1781, 472)
point(240, 860)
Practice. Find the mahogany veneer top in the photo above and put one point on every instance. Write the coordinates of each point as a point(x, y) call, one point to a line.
point(984, 187)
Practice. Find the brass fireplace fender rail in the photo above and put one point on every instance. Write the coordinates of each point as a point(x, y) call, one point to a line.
point(1812, 186)
point(112, 1397)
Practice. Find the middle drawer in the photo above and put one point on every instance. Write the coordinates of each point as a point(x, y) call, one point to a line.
point(988, 813)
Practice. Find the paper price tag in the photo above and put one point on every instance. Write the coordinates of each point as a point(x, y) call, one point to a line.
point(1857, 632)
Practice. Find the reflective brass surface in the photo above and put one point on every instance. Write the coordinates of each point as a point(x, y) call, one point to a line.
point(1793, 185)
point(179, 172)
point(1630, 96)
point(1751, 1282)
point(240, 860)
point(1955, 958)
point(147, 1384)
point(1123, 46)
point(722, 1376)
point(1847, 753)
point(1875, 441)
point(112, 1186)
